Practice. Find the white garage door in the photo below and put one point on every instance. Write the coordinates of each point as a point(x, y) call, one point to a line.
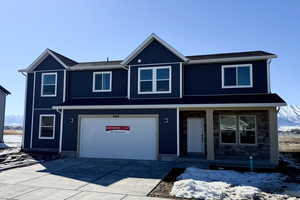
point(126, 138)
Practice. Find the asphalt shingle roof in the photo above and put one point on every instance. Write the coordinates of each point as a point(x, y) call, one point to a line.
point(216, 99)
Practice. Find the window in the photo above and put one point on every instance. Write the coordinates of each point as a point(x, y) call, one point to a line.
point(49, 81)
point(228, 129)
point(47, 126)
point(154, 80)
point(102, 81)
point(246, 124)
point(247, 127)
point(237, 76)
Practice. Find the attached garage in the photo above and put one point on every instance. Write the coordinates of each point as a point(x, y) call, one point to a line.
point(121, 137)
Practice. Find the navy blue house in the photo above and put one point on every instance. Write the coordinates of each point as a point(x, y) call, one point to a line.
point(154, 104)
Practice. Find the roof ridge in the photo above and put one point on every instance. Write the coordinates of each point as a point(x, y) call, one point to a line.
point(68, 61)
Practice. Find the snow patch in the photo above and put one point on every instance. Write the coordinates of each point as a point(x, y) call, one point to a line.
point(228, 184)
point(265, 181)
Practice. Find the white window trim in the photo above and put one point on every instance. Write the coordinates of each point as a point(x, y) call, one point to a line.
point(254, 130)
point(40, 126)
point(220, 135)
point(237, 66)
point(154, 80)
point(42, 85)
point(110, 81)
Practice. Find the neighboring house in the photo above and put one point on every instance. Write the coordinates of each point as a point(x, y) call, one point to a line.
point(154, 104)
point(3, 94)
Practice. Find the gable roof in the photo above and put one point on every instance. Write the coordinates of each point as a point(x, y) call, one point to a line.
point(67, 61)
point(4, 90)
point(146, 42)
point(209, 58)
point(63, 60)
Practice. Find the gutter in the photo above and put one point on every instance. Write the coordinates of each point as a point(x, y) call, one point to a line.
point(166, 106)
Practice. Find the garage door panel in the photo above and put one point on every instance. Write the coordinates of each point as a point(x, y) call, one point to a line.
point(139, 143)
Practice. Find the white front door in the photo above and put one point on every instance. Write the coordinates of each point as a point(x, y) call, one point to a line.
point(195, 135)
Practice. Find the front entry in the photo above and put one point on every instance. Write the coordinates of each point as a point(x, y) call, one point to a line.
point(195, 135)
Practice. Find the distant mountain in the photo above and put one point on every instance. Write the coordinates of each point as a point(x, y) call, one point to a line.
point(13, 120)
point(289, 117)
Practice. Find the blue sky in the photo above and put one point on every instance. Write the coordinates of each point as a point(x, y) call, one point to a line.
point(93, 30)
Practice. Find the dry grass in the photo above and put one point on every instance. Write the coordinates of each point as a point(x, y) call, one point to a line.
point(13, 132)
point(289, 144)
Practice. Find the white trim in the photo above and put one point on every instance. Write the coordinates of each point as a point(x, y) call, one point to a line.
point(236, 66)
point(146, 42)
point(37, 61)
point(61, 130)
point(248, 58)
point(180, 80)
point(154, 80)
point(25, 106)
point(178, 131)
point(42, 84)
point(32, 110)
point(110, 81)
point(65, 85)
point(40, 123)
point(255, 131)
point(236, 105)
point(236, 130)
point(128, 82)
point(268, 75)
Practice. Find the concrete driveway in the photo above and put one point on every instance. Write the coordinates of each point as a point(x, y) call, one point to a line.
point(83, 179)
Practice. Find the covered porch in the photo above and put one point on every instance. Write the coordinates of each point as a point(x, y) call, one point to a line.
point(228, 136)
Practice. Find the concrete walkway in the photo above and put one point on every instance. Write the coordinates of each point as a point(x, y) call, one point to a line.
point(84, 179)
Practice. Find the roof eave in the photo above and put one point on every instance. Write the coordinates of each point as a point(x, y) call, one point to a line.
point(232, 59)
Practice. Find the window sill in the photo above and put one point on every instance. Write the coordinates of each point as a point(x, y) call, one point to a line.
point(244, 86)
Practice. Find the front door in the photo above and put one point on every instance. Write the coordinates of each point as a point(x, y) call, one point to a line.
point(195, 135)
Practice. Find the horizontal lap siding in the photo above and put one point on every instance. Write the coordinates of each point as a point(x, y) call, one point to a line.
point(167, 130)
point(206, 79)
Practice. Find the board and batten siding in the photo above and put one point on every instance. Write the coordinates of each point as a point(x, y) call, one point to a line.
point(37, 105)
point(80, 84)
point(206, 79)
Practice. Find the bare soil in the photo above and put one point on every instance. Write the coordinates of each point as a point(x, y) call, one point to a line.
point(164, 188)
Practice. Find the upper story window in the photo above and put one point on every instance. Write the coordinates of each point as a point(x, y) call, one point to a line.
point(47, 127)
point(237, 76)
point(49, 83)
point(154, 80)
point(102, 81)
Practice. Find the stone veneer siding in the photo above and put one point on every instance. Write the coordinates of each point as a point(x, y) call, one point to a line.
point(184, 115)
point(231, 151)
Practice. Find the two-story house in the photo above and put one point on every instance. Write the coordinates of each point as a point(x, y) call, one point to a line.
point(155, 103)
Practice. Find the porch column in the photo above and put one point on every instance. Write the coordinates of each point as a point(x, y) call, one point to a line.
point(273, 135)
point(210, 135)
